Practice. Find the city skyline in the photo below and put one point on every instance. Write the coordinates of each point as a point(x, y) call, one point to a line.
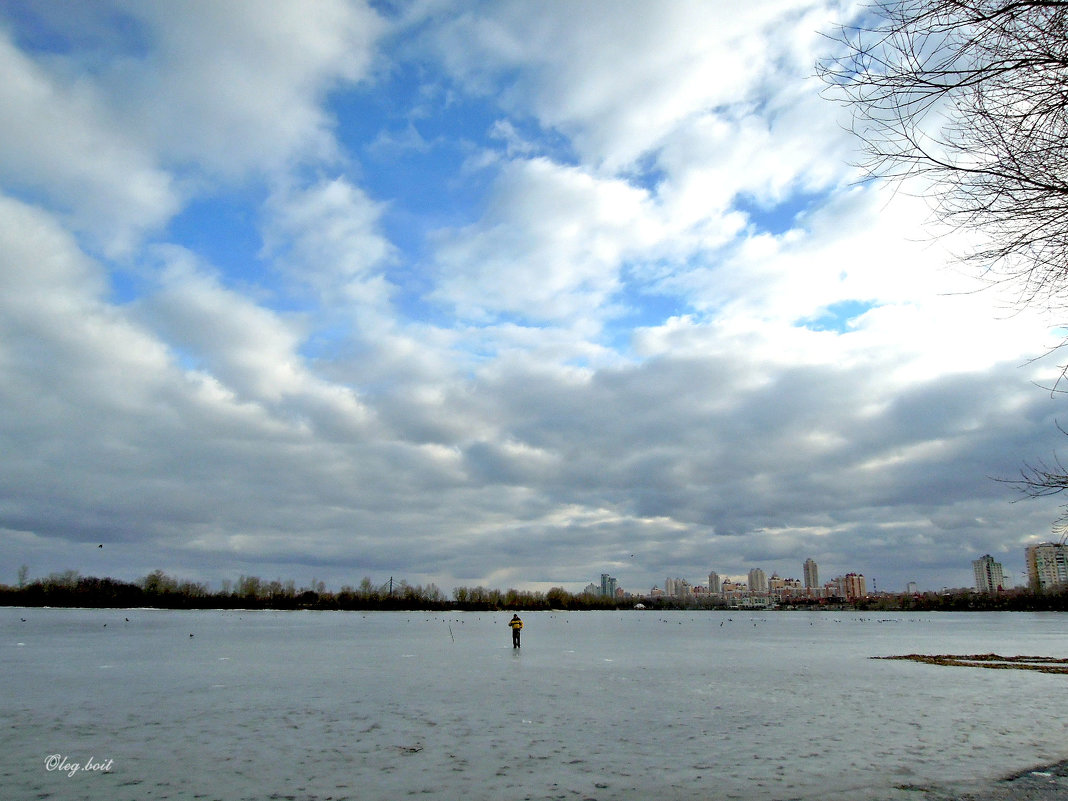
point(1046, 568)
point(485, 293)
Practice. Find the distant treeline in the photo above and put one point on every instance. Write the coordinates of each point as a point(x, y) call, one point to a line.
point(1017, 600)
point(157, 589)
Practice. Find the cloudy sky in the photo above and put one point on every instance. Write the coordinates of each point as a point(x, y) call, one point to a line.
point(500, 293)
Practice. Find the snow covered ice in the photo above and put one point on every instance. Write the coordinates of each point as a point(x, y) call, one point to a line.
point(602, 705)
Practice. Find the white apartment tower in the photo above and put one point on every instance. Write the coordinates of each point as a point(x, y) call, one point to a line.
point(812, 574)
point(1047, 565)
point(989, 575)
point(758, 580)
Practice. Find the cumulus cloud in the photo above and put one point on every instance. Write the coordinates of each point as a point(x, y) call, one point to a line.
point(120, 129)
point(619, 78)
point(328, 236)
point(61, 141)
point(622, 309)
point(551, 245)
point(232, 87)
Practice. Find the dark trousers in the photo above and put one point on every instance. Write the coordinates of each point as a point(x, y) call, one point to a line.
point(515, 638)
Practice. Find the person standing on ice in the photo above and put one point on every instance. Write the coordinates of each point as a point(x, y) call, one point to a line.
point(517, 626)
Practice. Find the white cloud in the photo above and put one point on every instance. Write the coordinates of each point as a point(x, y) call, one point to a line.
point(712, 120)
point(550, 246)
point(251, 350)
point(60, 141)
point(231, 87)
point(617, 78)
point(328, 236)
point(59, 331)
point(120, 140)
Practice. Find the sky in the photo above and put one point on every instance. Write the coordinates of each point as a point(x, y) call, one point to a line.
point(494, 293)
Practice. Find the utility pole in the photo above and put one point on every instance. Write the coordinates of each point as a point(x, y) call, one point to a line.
point(391, 586)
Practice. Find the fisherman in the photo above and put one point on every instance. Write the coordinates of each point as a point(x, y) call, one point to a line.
point(516, 625)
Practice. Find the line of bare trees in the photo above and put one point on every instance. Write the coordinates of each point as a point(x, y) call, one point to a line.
point(157, 589)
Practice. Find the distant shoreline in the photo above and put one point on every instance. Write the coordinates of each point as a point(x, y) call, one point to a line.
point(400, 606)
point(160, 591)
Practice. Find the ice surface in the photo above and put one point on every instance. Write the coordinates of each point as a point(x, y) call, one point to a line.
point(596, 705)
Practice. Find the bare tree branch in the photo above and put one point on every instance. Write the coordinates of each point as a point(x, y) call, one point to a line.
point(972, 97)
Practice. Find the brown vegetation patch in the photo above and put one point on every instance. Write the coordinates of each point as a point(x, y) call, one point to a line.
point(1043, 664)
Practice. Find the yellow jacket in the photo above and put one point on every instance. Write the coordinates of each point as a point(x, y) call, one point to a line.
point(515, 623)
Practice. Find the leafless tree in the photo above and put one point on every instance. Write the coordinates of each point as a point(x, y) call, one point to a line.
point(972, 97)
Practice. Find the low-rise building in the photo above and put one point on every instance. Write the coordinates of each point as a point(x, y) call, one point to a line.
point(851, 586)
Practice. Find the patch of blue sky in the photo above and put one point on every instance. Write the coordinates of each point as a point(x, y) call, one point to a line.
point(526, 138)
point(411, 297)
point(33, 29)
point(185, 358)
point(430, 150)
point(126, 286)
point(778, 218)
point(406, 157)
point(409, 134)
point(223, 231)
point(839, 317)
point(646, 173)
point(641, 306)
point(96, 34)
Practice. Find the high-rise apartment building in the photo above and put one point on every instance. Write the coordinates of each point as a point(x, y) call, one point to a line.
point(1047, 565)
point(989, 575)
point(677, 588)
point(758, 580)
point(715, 583)
point(608, 586)
point(812, 574)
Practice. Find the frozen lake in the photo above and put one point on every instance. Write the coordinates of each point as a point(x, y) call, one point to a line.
point(638, 706)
